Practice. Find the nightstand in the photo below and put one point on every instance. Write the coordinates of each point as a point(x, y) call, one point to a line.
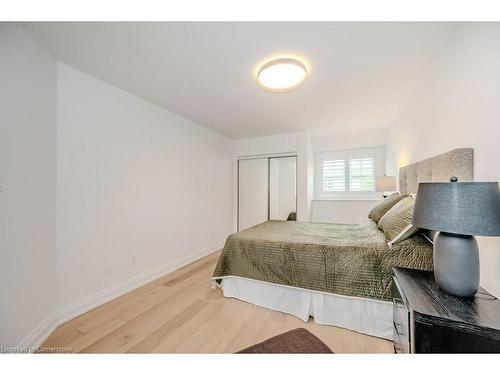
point(428, 320)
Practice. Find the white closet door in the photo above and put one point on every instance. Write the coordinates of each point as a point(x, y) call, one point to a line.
point(253, 192)
point(283, 187)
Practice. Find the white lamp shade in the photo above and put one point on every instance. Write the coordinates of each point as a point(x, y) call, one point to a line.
point(386, 183)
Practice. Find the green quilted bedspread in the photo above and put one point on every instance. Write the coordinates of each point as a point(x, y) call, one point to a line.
point(346, 259)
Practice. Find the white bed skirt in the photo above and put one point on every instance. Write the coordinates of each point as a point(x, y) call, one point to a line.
point(363, 315)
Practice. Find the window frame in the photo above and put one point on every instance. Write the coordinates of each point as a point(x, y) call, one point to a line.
point(377, 153)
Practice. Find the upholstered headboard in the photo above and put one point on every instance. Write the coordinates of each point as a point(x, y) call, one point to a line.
point(439, 168)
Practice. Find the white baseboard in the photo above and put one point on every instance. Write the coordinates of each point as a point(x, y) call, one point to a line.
point(83, 305)
point(40, 333)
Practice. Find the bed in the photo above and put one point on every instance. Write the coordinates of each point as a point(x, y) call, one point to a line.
point(340, 274)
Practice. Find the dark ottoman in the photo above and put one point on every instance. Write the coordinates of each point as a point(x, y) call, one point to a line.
point(299, 340)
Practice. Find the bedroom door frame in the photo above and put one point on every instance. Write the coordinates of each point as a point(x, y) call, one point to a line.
point(268, 157)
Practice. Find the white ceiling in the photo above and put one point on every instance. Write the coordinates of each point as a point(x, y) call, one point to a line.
point(361, 74)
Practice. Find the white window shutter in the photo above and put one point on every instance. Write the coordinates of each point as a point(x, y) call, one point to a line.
point(362, 174)
point(333, 175)
point(348, 174)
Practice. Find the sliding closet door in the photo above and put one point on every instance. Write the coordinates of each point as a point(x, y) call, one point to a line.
point(282, 187)
point(252, 192)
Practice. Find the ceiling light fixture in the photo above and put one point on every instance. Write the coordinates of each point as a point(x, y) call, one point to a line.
point(282, 74)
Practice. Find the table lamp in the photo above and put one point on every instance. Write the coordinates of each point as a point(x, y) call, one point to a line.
point(385, 184)
point(459, 211)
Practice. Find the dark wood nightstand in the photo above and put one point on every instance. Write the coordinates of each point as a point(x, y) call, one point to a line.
point(427, 320)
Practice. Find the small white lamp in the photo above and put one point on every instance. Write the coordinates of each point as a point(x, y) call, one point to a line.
point(385, 184)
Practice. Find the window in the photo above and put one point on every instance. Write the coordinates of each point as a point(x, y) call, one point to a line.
point(348, 174)
point(333, 175)
point(362, 174)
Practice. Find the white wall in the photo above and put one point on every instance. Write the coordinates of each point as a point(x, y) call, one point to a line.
point(28, 199)
point(345, 211)
point(458, 105)
point(341, 211)
point(134, 180)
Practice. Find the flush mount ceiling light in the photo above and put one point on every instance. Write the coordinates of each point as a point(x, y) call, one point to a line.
point(282, 74)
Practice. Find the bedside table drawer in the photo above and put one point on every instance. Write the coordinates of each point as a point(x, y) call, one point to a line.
point(428, 320)
point(401, 322)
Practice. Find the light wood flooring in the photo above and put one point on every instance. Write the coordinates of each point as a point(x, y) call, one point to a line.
point(181, 313)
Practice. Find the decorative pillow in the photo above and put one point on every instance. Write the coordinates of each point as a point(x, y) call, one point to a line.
point(396, 223)
point(380, 209)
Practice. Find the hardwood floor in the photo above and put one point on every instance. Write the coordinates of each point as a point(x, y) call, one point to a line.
point(180, 313)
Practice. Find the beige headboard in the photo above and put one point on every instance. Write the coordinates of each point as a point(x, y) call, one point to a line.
point(439, 168)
